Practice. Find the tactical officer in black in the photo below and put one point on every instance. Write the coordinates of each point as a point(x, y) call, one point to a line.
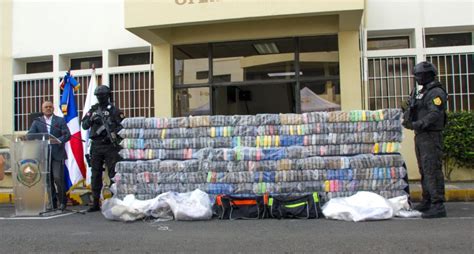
point(104, 121)
point(427, 117)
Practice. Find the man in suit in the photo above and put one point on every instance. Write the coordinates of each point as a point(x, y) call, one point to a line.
point(56, 126)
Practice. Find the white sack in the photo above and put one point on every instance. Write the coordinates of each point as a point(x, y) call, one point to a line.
point(193, 205)
point(361, 206)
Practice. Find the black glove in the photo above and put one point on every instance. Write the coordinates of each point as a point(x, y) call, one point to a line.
point(96, 118)
point(407, 124)
point(417, 125)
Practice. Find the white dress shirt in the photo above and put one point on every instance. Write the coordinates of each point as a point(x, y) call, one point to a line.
point(48, 122)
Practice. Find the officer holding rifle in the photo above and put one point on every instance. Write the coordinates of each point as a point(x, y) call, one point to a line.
point(104, 120)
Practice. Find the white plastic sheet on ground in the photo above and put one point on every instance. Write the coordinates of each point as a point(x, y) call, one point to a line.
point(193, 205)
point(364, 206)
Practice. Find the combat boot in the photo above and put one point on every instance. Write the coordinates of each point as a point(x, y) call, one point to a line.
point(95, 206)
point(423, 206)
point(436, 211)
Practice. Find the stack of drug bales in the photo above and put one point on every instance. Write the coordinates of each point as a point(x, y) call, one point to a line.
point(333, 153)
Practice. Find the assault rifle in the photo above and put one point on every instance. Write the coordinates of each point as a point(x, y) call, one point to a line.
point(106, 126)
point(409, 110)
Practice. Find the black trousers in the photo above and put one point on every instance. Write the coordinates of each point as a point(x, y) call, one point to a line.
point(100, 154)
point(429, 153)
point(58, 183)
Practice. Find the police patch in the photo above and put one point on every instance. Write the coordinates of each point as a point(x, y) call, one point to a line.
point(437, 101)
point(29, 173)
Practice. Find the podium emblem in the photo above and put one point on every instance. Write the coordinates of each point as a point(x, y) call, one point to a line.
point(29, 173)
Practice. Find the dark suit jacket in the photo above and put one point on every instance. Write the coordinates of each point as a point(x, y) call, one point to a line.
point(59, 129)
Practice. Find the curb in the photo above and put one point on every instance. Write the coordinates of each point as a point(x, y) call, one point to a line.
point(450, 195)
point(465, 195)
point(8, 198)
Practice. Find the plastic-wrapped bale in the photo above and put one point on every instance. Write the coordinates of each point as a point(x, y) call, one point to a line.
point(315, 139)
point(220, 188)
point(338, 117)
point(267, 119)
point(268, 165)
point(245, 131)
point(268, 130)
point(311, 163)
point(338, 162)
point(132, 154)
point(315, 117)
point(125, 178)
point(386, 147)
point(125, 189)
point(291, 119)
point(133, 143)
point(244, 120)
point(199, 121)
point(223, 131)
point(133, 123)
point(393, 114)
point(388, 125)
point(166, 123)
point(248, 141)
point(131, 133)
point(243, 188)
point(218, 120)
point(126, 166)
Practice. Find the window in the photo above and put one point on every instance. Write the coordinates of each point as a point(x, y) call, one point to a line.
point(448, 40)
point(400, 42)
point(86, 63)
point(192, 101)
point(239, 77)
point(390, 81)
point(456, 73)
point(254, 60)
point(38, 67)
point(134, 59)
point(28, 97)
point(190, 60)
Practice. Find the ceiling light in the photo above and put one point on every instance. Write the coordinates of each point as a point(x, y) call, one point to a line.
point(283, 74)
point(266, 48)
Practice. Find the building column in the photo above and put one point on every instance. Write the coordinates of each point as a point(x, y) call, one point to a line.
point(349, 70)
point(6, 69)
point(163, 78)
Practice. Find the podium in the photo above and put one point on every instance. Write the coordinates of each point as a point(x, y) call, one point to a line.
point(30, 160)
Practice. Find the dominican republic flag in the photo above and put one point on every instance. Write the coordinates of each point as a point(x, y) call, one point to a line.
point(91, 99)
point(75, 168)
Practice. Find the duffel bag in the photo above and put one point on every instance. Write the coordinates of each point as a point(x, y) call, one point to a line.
point(294, 206)
point(233, 207)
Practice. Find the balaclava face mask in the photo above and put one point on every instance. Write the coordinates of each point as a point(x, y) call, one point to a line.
point(103, 99)
point(424, 78)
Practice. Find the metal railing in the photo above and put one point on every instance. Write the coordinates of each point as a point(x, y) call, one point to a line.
point(390, 81)
point(133, 93)
point(456, 73)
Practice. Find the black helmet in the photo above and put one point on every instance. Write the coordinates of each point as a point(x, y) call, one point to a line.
point(424, 67)
point(425, 73)
point(102, 90)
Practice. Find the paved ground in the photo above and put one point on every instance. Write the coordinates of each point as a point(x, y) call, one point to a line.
point(92, 233)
